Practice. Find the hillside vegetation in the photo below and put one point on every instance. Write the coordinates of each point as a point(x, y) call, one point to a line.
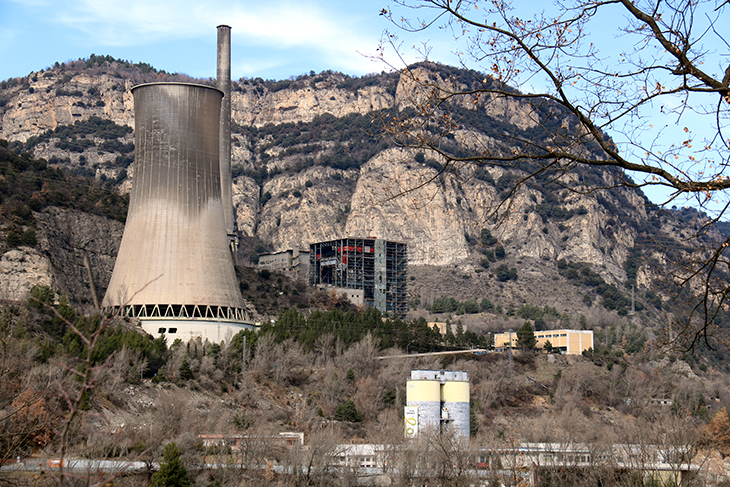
point(322, 374)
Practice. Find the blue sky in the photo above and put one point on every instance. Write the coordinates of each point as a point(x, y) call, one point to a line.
point(274, 39)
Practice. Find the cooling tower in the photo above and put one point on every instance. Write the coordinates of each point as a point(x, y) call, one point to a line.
point(174, 270)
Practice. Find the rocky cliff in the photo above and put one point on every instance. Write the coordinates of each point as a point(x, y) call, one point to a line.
point(311, 163)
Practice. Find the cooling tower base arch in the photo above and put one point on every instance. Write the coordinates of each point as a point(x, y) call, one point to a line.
point(217, 331)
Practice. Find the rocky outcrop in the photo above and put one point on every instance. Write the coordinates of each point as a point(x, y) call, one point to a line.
point(80, 249)
point(20, 270)
point(252, 107)
point(54, 99)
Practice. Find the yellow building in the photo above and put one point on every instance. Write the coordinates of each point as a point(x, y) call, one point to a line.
point(569, 342)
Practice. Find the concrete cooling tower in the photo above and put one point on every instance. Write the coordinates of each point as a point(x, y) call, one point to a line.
point(174, 271)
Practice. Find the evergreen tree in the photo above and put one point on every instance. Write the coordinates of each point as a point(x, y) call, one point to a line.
point(172, 471)
point(526, 337)
point(459, 334)
point(473, 422)
point(347, 411)
point(186, 373)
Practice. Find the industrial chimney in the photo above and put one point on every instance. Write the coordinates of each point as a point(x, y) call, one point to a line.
point(174, 271)
point(224, 84)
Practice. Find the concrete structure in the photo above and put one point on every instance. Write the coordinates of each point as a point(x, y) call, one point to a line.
point(569, 342)
point(442, 327)
point(293, 263)
point(223, 83)
point(240, 442)
point(440, 399)
point(375, 266)
point(174, 271)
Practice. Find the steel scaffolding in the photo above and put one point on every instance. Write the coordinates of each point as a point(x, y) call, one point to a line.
point(378, 267)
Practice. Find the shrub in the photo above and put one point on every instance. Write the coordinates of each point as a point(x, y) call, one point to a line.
point(172, 471)
point(486, 238)
point(503, 273)
point(499, 252)
point(347, 411)
point(29, 238)
point(13, 239)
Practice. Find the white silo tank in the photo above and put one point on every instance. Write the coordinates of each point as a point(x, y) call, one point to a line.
point(455, 404)
point(426, 394)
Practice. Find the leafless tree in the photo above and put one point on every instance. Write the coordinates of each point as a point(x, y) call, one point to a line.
point(315, 464)
point(649, 105)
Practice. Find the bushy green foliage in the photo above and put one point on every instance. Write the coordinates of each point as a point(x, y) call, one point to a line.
point(79, 136)
point(389, 397)
point(526, 337)
point(347, 411)
point(351, 140)
point(31, 184)
point(536, 313)
point(172, 472)
point(499, 252)
point(486, 305)
point(504, 273)
point(486, 238)
point(186, 373)
point(469, 307)
point(444, 304)
point(352, 326)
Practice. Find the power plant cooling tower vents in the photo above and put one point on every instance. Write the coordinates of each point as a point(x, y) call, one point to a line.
point(174, 270)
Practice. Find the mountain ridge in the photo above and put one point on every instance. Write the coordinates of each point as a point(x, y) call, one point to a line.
point(311, 163)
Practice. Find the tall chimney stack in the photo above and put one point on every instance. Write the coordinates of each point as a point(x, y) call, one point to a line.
point(224, 143)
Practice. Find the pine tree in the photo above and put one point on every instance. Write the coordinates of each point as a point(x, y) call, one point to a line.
point(347, 411)
point(526, 337)
point(172, 471)
point(186, 373)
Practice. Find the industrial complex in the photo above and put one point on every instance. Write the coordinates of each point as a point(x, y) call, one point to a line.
point(568, 342)
point(375, 268)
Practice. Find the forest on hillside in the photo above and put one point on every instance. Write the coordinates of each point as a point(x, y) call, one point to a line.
point(324, 373)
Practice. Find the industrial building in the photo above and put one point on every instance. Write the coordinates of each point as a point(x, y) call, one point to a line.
point(569, 342)
point(175, 270)
point(374, 266)
point(437, 400)
point(292, 262)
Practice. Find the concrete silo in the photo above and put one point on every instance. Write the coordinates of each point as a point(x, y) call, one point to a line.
point(442, 397)
point(455, 406)
point(426, 395)
point(174, 270)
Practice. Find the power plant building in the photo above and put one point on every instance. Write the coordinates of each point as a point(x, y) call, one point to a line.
point(437, 400)
point(376, 267)
point(292, 262)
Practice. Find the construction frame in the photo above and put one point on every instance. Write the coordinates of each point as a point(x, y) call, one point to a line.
point(378, 267)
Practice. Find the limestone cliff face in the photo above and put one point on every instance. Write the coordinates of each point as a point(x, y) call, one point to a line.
point(55, 99)
point(75, 256)
point(302, 198)
point(20, 270)
point(251, 107)
point(80, 249)
point(414, 89)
